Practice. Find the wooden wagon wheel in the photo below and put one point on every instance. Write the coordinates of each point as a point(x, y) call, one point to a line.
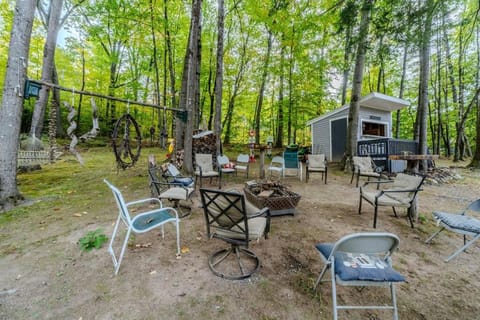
point(126, 141)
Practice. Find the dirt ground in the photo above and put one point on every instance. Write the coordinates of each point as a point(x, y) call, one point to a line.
point(44, 274)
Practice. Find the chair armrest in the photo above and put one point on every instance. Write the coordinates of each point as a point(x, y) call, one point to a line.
point(265, 211)
point(136, 202)
point(402, 190)
point(399, 191)
point(378, 182)
point(170, 184)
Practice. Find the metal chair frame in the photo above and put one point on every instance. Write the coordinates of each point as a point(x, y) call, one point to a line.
point(371, 243)
point(227, 219)
point(143, 222)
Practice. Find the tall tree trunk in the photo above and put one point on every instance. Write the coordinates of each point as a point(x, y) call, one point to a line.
point(475, 163)
point(346, 61)
point(402, 87)
point(281, 102)
point(190, 84)
point(47, 66)
point(236, 88)
point(261, 93)
point(170, 64)
point(56, 98)
point(80, 99)
point(155, 67)
point(12, 101)
point(219, 75)
point(424, 81)
point(352, 131)
point(293, 119)
point(460, 147)
point(211, 83)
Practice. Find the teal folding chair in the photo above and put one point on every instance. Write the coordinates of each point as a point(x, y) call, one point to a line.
point(291, 162)
point(142, 222)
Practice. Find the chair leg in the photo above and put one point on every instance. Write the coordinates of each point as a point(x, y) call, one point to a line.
point(110, 245)
point(469, 243)
point(326, 171)
point(394, 301)
point(410, 218)
point(358, 178)
point(334, 295)
point(177, 225)
point(394, 212)
point(322, 273)
point(124, 246)
point(434, 235)
point(360, 205)
point(375, 216)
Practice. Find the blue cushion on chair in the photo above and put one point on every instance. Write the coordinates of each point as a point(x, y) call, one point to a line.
point(186, 182)
point(458, 221)
point(348, 270)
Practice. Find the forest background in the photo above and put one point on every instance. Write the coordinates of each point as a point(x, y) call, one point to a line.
point(237, 66)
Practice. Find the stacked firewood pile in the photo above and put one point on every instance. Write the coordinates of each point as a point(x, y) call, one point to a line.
point(442, 175)
point(268, 189)
point(205, 142)
point(273, 195)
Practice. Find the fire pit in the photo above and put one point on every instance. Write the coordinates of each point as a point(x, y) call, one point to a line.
point(274, 195)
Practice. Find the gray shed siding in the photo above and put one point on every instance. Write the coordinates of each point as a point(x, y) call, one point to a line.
point(321, 131)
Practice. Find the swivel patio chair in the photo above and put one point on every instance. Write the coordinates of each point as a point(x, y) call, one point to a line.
point(142, 222)
point(361, 259)
point(230, 218)
point(462, 223)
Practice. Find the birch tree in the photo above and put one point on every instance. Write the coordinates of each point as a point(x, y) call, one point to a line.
point(12, 101)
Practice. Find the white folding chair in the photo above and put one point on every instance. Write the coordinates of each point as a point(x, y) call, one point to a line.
point(243, 163)
point(277, 166)
point(224, 167)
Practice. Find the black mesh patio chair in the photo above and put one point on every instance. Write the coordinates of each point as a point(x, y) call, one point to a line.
point(231, 219)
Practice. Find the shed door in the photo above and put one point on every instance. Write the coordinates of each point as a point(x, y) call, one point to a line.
point(338, 138)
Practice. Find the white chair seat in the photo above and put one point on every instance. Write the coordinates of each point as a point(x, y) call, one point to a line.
point(176, 193)
point(386, 200)
point(207, 174)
